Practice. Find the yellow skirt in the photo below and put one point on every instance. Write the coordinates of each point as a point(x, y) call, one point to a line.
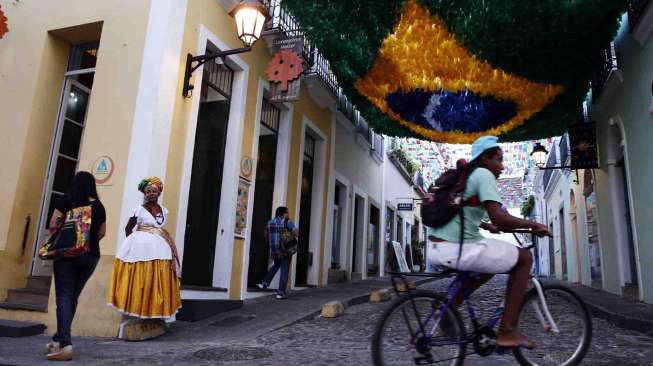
point(148, 290)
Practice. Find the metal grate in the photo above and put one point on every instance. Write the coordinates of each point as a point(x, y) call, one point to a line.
point(219, 76)
point(610, 63)
point(309, 147)
point(270, 116)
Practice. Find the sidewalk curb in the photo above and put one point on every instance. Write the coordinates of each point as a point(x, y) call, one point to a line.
point(620, 320)
point(352, 301)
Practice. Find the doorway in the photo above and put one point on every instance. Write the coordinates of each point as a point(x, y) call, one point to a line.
point(563, 243)
point(359, 235)
point(303, 253)
point(628, 222)
point(552, 254)
point(339, 197)
point(390, 257)
point(259, 252)
point(574, 230)
point(373, 244)
point(206, 175)
point(596, 275)
point(67, 139)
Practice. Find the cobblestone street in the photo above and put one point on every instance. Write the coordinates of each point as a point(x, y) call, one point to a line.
point(312, 341)
point(346, 340)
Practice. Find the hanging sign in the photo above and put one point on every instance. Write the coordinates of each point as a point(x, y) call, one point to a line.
point(4, 28)
point(582, 138)
point(285, 69)
point(405, 206)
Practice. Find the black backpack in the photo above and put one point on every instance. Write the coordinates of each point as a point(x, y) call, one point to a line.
point(444, 199)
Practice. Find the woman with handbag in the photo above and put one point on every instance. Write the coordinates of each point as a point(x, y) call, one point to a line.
point(281, 235)
point(73, 266)
point(145, 279)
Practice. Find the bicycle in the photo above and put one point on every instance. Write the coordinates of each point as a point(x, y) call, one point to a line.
point(433, 325)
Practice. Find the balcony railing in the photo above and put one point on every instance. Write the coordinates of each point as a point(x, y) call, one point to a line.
point(551, 162)
point(564, 150)
point(346, 107)
point(636, 10)
point(609, 64)
point(282, 21)
point(363, 129)
point(378, 146)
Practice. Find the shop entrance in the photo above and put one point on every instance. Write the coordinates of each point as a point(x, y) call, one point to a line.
point(259, 252)
point(206, 176)
point(303, 254)
point(67, 140)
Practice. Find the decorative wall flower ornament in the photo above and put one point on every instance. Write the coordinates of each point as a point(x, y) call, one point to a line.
point(451, 70)
point(4, 27)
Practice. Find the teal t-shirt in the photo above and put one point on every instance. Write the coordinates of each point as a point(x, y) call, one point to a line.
point(483, 184)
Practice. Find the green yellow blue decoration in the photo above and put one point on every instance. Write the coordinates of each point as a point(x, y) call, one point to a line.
point(453, 70)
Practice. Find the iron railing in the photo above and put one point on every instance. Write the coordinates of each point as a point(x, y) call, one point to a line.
point(564, 149)
point(346, 107)
point(363, 129)
point(378, 146)
point(551, 162)
point(282, 21)
point(636, 10)
point(609, 64)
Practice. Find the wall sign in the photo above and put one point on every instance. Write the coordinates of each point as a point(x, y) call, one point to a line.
point(285, 69)
point(241, 208)
point(405, 206)
point(4, 27)
point(246, 167)
point(102, 170)
point(582, 138)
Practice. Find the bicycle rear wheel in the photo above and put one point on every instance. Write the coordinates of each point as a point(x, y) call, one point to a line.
point(566, 347)
point(403, 333)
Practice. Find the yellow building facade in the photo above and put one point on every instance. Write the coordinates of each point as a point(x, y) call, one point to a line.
point(97, 86)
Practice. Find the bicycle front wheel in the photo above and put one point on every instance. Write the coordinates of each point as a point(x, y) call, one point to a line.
point(566, 343)
point(408, 333)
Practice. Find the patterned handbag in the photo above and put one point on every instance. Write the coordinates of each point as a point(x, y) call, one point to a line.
point(288, 243)
point(72, 238)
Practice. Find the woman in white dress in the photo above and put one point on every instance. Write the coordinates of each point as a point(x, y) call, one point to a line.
point(145, 282)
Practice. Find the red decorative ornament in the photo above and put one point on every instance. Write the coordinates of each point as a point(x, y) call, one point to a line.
point(4, 28)
point(284, 67)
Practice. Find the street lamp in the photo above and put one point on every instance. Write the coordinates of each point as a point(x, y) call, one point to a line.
point(250, 16)
point(539, 155)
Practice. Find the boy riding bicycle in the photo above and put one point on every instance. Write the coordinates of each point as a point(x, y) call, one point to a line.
point(485, 255)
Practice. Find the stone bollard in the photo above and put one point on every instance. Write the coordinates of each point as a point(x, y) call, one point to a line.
point(332, 309)
point(401, 287)
point(142, 329)
point(380, 295)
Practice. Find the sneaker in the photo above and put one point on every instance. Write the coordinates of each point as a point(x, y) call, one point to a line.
point(280, 296)
point(261, 286)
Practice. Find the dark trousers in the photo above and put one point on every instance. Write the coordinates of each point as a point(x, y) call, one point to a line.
point(284, 264)
point(70, 276)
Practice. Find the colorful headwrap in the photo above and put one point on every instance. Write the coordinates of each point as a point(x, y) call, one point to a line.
point(156, 181)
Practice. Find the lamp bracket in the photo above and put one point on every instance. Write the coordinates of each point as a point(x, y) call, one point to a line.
point(200, 60)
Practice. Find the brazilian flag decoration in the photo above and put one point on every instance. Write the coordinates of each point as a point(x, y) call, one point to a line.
point(453, 70)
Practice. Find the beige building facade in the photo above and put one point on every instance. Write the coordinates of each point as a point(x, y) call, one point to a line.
point(100, 89)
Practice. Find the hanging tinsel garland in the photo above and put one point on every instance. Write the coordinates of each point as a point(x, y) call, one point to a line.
point(512, 68)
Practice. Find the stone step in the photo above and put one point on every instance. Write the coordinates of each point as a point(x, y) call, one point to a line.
point(29, 307)
point(39, 282)
point(28, 296)
point(13, 328)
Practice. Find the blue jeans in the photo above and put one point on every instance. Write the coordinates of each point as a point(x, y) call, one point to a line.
point(70, 276)
point(284, 264)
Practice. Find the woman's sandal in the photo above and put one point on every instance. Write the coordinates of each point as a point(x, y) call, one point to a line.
point(51, 347)
point(522, 343)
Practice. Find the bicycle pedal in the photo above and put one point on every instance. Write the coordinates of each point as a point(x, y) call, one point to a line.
point(502, 350)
